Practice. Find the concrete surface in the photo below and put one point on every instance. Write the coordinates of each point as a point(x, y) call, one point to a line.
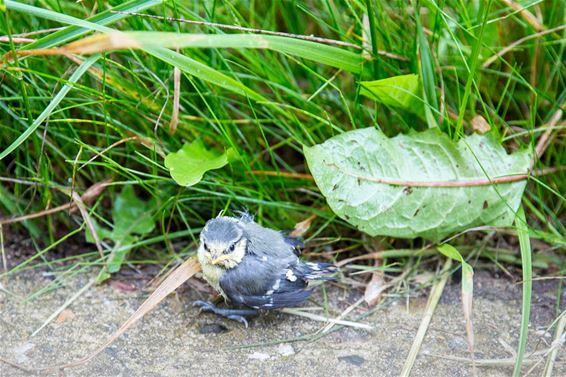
point(174, 340)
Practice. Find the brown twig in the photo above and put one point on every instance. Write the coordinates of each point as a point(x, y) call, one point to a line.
point(98, 154)
point(456, 184)
point(176, 100)
point(285, 174)
point(544, 141)
point(507, 179)
point(36, 32)
point(88, 221)
point(15, 365)
point(524, 12)
point(21, 38)
point(6, 39)
point(36, 214)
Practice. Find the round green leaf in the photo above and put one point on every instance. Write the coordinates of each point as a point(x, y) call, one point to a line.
point(188, 165)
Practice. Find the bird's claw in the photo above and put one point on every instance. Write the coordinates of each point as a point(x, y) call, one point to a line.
point(233, 314)
point(240, 319)
point(205, 306)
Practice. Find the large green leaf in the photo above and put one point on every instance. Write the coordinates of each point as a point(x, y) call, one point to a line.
point(188, 165)
point(421, 184)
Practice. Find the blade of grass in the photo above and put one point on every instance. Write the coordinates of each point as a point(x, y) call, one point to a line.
point(525, 245)
point(203, 72)
point(52, 105)
point(103, 18)
point(426, 68)
point(329, 55)
point(475, 59)
point(433, 299)
point(373, 37)
point(54, 16)
point(467, 294)
point(559, 337)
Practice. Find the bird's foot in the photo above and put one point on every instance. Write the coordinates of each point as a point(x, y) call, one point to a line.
point(238, 315)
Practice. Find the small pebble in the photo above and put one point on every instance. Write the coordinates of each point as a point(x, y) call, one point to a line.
point(353, 359)
point(286, 349)
point(212, 328)
point(259, 356)
point(20, 352)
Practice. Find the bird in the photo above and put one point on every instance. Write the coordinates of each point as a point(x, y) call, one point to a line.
point(254, 267)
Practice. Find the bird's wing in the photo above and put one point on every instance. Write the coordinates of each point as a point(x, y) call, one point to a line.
point(265, 283)
point(275, 300)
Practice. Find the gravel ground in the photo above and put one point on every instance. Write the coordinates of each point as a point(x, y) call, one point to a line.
point(175, 340)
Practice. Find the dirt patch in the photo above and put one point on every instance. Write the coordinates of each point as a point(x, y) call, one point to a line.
point(175, 340)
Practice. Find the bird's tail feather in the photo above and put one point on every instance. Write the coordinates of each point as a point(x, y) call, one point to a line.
point(318, 271)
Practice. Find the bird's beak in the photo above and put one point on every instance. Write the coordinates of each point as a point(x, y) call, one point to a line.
point(220, 259)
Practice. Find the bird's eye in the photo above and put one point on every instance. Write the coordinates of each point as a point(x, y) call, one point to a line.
point(231, 248)
point(205, 247)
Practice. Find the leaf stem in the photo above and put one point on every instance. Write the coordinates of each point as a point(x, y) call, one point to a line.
point(455, 183)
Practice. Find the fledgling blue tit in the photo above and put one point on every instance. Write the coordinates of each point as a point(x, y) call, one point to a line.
point(254, 267)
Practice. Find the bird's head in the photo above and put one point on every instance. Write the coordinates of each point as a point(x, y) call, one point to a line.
point(222, 242)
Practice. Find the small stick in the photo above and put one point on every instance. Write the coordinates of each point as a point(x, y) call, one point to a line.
point(285, 174)
point(524, 12)
point(90, 225)
point(465, 183)
point(176, 100)
point(6, 39)
point(317, 317)
point(36, 32)
point(544, 140)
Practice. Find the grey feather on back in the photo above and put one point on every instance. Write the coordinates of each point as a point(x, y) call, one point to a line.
point(267, 242)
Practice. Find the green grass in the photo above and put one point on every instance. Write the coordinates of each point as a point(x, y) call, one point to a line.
point(59, 118)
